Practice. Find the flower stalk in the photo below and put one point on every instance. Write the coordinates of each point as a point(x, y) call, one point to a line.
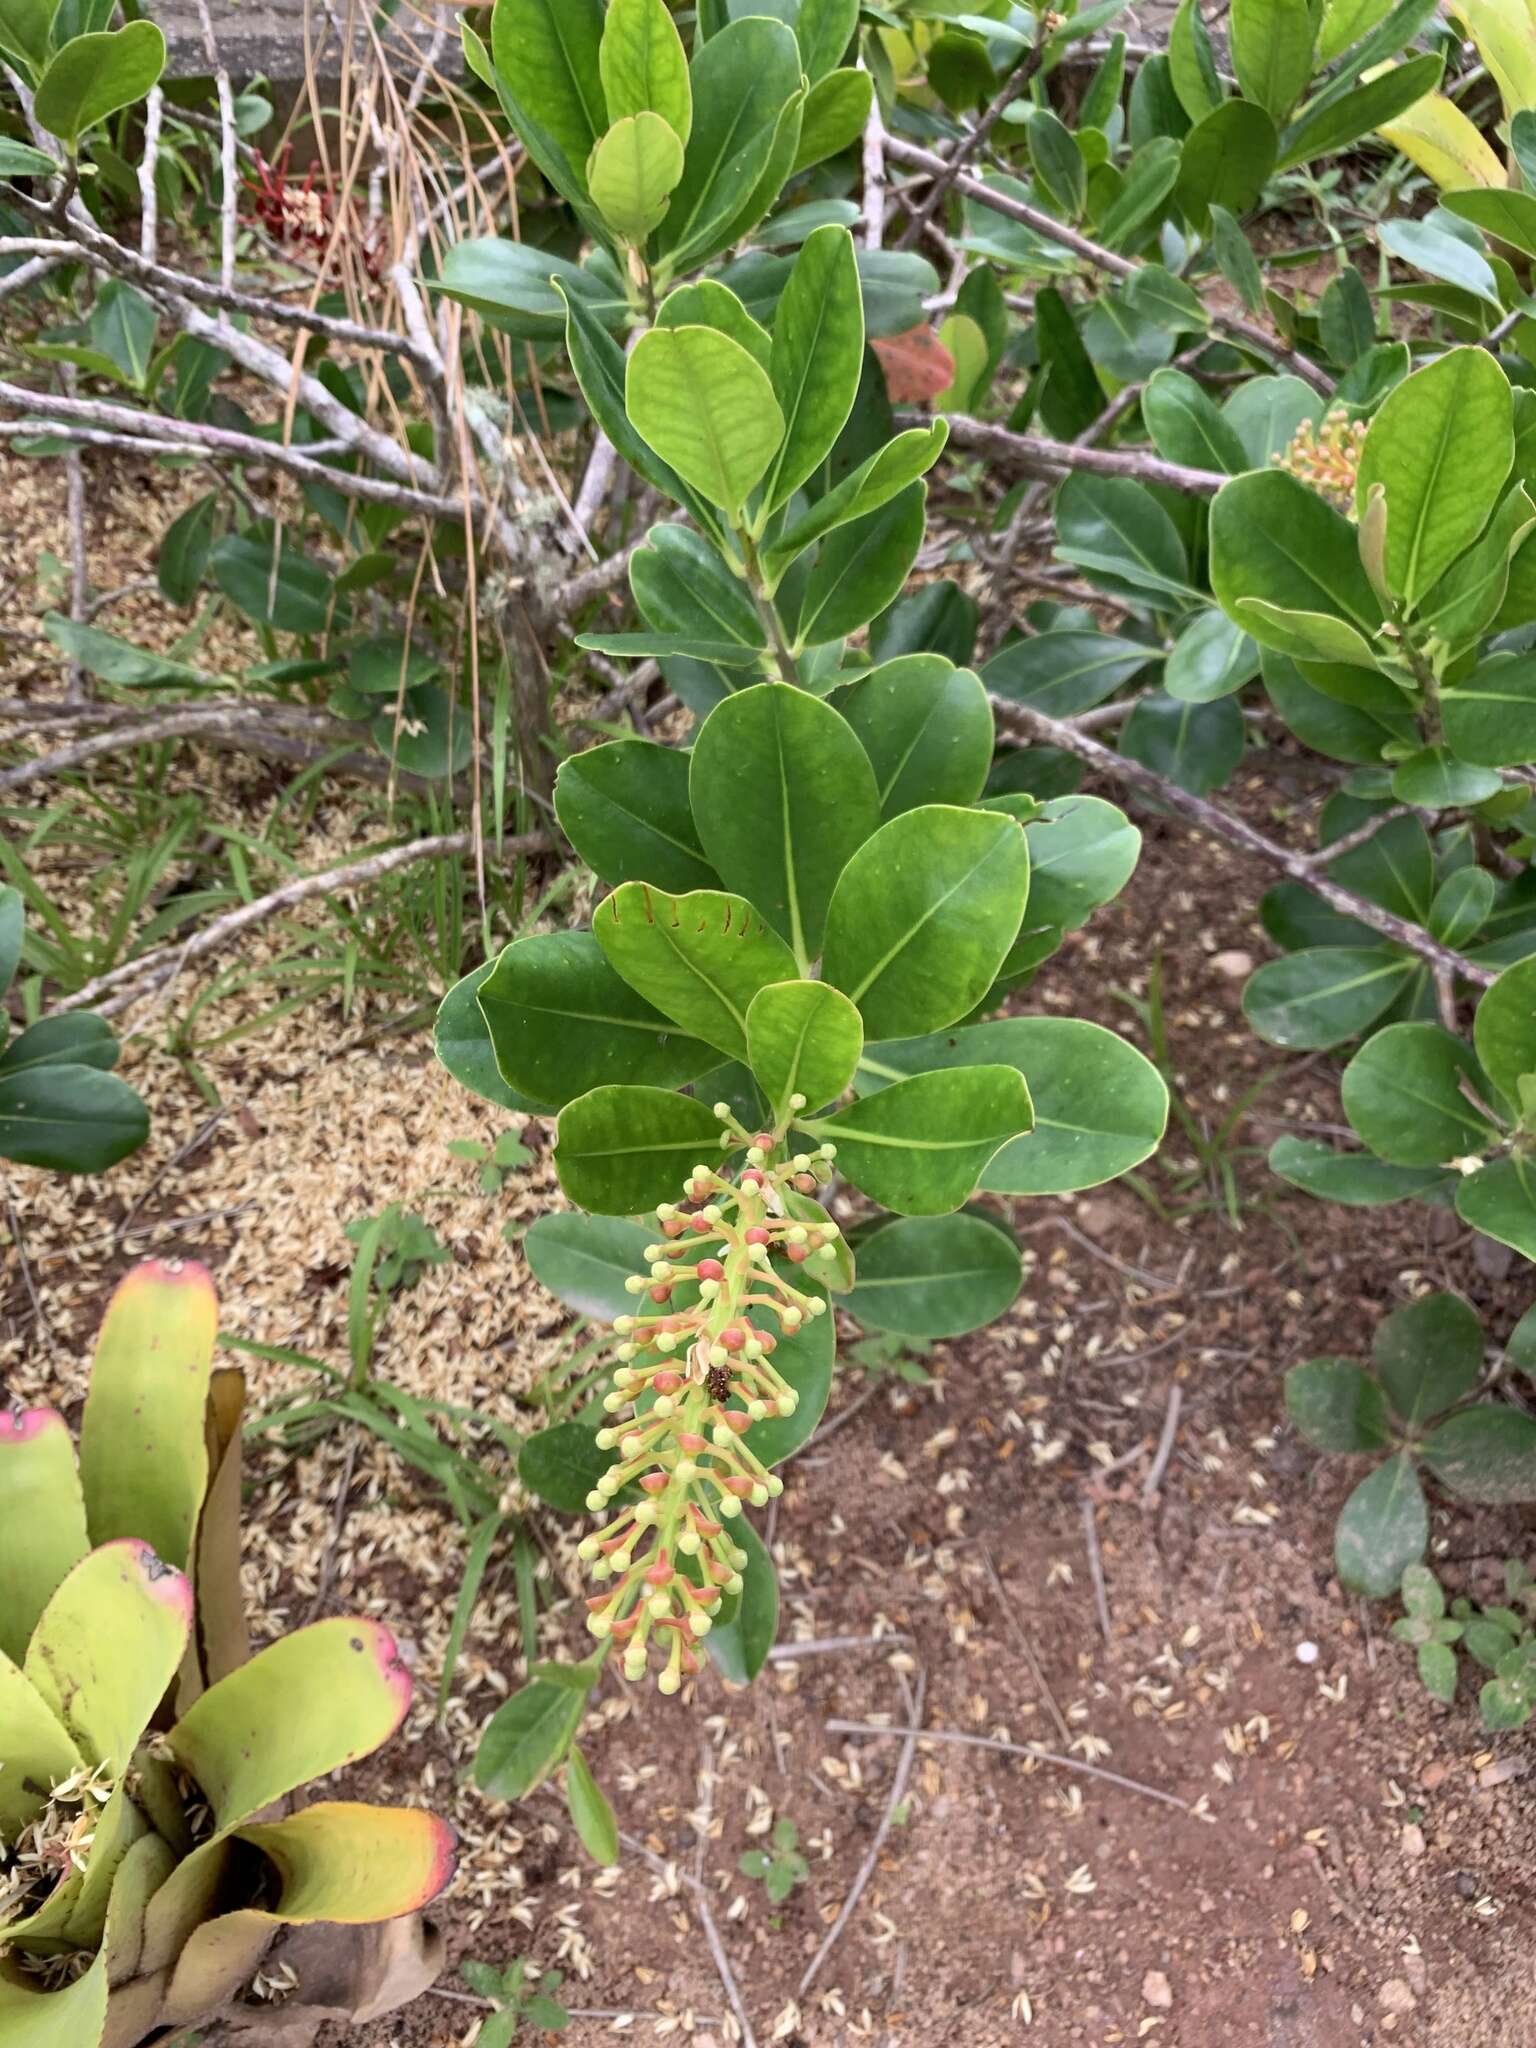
point(695, 1369)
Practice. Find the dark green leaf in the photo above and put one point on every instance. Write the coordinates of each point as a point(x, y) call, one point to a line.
point(527, 1738)
point(563, 1464)
point(935, 1276)
point(1428, 1356)
point(1485, 1454)
point(71, 1119)
point(1337, 1406)
point(623, 1149)
point(585, 1260)
point(1382, 1530)
point(920, 1146)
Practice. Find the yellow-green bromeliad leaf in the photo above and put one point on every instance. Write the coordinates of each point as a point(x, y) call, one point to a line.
point(42, 1521)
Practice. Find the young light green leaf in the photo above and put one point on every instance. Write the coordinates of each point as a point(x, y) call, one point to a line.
point(1441, 446)
point(803, 1038)
point(527, 1738)
point(706, 408)
point(96, 75)
point(643, 66)
point(632, 172)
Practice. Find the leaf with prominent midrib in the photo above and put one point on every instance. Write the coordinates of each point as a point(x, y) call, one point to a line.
point(935, 1276)
point(561, 1020)
point(783, 795)
point(920, 1146)
point(621, 1150)
point(923, 916)
point(699, 958)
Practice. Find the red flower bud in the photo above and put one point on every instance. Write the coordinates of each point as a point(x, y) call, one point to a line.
point(806, 1183)
point(732, 1338)
point(661, 1293)
point(757, 1235)
point(654, 1482)
point(795, 1253)
point(710, 1269)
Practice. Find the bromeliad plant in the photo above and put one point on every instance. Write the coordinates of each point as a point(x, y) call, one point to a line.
point(1423, 1404)
point(155, 1872)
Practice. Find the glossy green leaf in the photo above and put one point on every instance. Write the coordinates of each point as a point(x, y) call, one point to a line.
point(806, 1360)
point(1211, 658)
point(1151, 176)
point(803, 1038)
point(836, 112)
point(107, 1646)
point(1198, 746)
point(1428, 1356)
point(562, 1021)
point(706, 408)
point(96, 75)
point(523, 290)
point(527, 1738)
point(699, 958)
point(1272, 51)
point(1225, 158)
point(462, 1041)
point(1487, 1453)
point(1356, 1180)
point(1439, 254)
point(1065, 671)
point(1267, 411)
point(1191, 65)
point(783, 795)
point(1332, 125)
point(143, 1435)
point(927, 728)
point(1323, 997)
point(1082, 852)
point(683, 587)
point(1472, 592)
point(1490, 715)
point(1336, 1406)
point(620, 1150)
point(1274, 540)
point(935, 1276)
point(1500, 1201)
point(562, 1464)
point(741, 82)
point(70, 1119)
point(923, 916)
point(1058, 164)
point(739, 1648)
point(344, 1692)
point(42, 1521)
point(1508, 216)
point(1504, 1030)
point(824, 29)
point(642, 65)
point(274, 585)
point(818, 352)
point(591, 1815)
point(1122, 539)
point(585, 1260)
point(860, 568)
point(1100, 1105)
point(1412, 1092)
point(547, 54)
point(1383, 1529)
point(624, 808)
point(632, 173)
point(920, 1146)
point(708, 303)
point(1461, 906)
point(25, 32)
point(1435, 780)
point(1187, 426)
point(1441, 446)
point(878, 479)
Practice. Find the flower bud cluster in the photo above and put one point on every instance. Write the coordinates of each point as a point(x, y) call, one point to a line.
point(694, 1372)
point(1327, 457)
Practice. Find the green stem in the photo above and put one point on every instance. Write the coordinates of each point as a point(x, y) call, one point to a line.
point(1429, 687)
point(767, 611)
